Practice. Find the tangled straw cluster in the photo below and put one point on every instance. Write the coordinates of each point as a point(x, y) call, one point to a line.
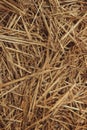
point(43, 65)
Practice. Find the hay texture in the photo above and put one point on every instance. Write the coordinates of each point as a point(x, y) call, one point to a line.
point(43, 64)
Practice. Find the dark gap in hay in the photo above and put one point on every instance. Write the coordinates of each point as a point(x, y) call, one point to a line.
point(67, 79)
point(7, 44)
point(42, 61)
point(69, 46)
point(84, 75)
point(62, 57)
point(3, 74)
point(15, 0)
point(39, 113)
point(58, 65)
point(13, 126)
point(85, 84)
point(1, 125)
point(81, 26)
point(44, 33)
point(31, 20)
point(1, 51)
point(66, 26)
point(75, 21)
point(48, 95)
point(6, 19)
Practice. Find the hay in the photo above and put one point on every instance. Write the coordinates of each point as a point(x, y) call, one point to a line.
point(43, 65)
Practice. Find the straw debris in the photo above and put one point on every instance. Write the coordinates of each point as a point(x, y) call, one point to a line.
point(43, 65)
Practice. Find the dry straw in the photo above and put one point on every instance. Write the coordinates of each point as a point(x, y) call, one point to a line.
point(43, 64)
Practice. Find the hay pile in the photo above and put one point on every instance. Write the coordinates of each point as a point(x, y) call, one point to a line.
point(43, 64)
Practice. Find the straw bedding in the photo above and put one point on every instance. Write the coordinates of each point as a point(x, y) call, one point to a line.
point(43, 65)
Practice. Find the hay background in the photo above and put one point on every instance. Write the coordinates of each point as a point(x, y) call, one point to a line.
point(43, 65)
